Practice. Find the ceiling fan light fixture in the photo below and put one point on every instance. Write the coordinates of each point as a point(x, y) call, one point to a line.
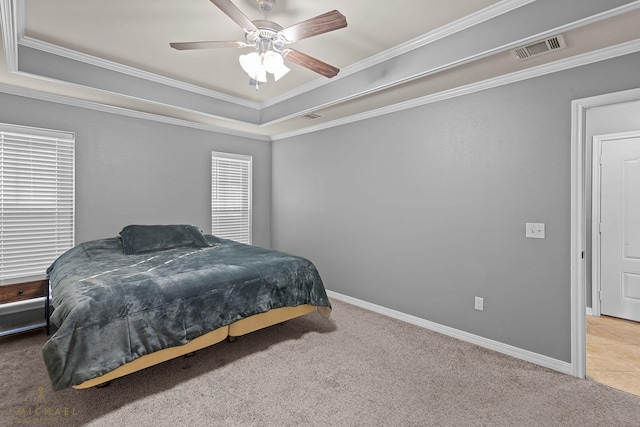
point(252, 64)
point(272, 61)
point(257, 65)
point(261, 74)
point(274, 64)
point(280, 72)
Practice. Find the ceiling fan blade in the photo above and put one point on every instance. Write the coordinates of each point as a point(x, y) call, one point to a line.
point(321, 24)
point(310, 62)
point(206, 44)
point(232, 11)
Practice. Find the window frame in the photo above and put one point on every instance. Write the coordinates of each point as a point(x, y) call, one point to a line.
point(240, 174)
point(37, 200)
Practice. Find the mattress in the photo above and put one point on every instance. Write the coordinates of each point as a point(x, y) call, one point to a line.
point(111, 308)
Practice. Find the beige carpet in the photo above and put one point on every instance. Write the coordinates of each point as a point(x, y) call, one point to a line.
point(358, 369)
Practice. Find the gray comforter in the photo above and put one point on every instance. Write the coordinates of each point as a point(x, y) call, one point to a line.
point(112, 308)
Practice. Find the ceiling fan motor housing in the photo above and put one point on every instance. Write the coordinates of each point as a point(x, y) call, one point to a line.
point(267, 30)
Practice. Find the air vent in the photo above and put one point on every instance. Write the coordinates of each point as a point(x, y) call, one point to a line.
point(539, 48)
point(311, 116)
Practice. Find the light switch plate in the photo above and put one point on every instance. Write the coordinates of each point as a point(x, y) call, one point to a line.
point(535, 230)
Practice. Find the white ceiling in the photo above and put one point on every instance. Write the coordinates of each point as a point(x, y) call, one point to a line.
point(137, 33)
point(105, 54)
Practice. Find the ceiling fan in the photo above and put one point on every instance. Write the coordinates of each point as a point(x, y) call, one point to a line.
point(270, 40)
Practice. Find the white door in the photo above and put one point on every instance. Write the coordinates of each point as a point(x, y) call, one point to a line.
point(620, 225)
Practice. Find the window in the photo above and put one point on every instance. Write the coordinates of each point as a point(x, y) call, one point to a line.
point(231, 196)
point(36, 199)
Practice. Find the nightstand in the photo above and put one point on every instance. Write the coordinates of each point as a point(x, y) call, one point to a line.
point(16, 298)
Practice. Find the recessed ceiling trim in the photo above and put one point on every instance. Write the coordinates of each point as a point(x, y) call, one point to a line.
point(479, 17)
point(483, 15)
point(580, 60)
point(420, 62)
point(8, 4)
point(529, 73)
point(91, 105)
point(488, 13)
point(130, 71)
point(473, 19)
point(407, 79)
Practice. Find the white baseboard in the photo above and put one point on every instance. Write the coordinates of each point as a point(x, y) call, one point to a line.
point(538, 359)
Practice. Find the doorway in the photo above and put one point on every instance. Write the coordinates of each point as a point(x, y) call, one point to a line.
point(585, 123)
point(613, 329)
point(615, 277)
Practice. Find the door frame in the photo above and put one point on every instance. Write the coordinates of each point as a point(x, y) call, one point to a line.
point(578, 251)
point(596, 285)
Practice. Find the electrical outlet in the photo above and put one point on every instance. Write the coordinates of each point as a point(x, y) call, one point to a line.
point(479, 303)
point(535, 230)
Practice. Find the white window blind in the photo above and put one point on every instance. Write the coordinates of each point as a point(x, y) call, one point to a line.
point(36, 199)
point(231, 196)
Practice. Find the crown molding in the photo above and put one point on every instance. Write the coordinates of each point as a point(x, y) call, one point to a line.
point(130, 71)
point(571, 26)
point(561, 65)
point(96, 106)
point(12, 26)
point(479, 17)
point(541, 70)
point(13, 33)
point(483, 15)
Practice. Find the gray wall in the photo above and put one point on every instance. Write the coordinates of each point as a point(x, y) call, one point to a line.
point(421, 210)
point(131, 170)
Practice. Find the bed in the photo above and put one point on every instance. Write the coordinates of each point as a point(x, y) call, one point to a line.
point(158, 292)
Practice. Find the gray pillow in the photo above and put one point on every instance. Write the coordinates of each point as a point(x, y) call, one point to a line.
point(137, 239)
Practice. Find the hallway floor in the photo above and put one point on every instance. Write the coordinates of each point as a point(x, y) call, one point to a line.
point(613, 352)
